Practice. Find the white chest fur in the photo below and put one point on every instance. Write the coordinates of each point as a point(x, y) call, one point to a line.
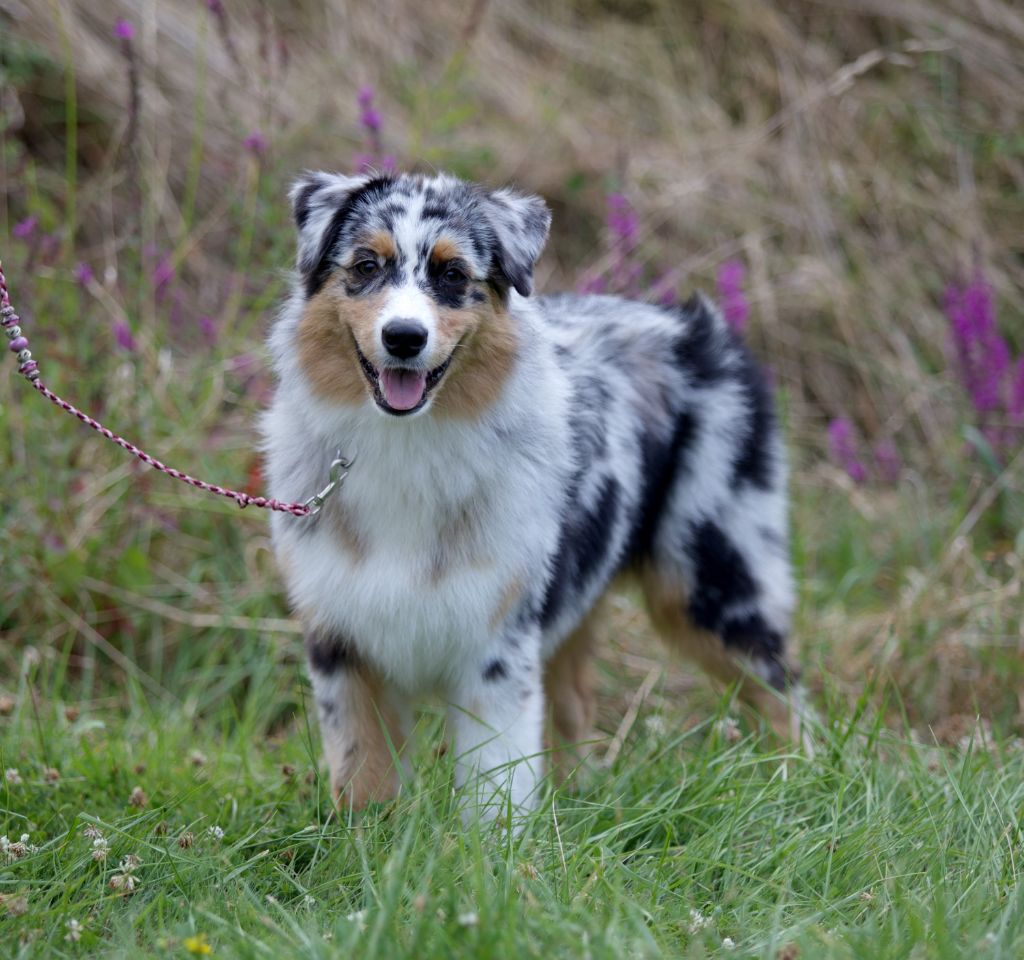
point(436, 527)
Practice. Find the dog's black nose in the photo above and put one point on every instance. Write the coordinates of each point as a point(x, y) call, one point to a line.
point(404, 338)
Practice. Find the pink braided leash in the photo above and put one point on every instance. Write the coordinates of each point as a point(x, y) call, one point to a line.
point(29, 368)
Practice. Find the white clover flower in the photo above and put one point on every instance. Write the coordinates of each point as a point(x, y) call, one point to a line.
point(11, 850)
point(12, 776)
point(729, 728)
point(216, 833)
point(100, 848)
point(358, 918)
point(697, 921)
point(728, 943)
point(74, 933)
point(467, 919)
point(655, 724)
point(124, 882)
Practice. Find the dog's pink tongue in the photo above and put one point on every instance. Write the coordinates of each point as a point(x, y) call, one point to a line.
point(403, 389)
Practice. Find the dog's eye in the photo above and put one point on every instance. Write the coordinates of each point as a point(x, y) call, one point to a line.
point(453, 276)
point(367, 268)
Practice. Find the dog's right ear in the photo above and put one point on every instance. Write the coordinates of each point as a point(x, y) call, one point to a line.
point(320, 203)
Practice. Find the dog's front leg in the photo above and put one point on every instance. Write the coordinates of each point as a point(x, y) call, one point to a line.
point(496, 718)
point(362, 722)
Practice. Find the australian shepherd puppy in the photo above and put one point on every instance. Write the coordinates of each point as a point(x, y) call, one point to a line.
point(514, 455)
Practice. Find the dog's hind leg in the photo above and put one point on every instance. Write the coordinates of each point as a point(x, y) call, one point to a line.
point(744, 651)
point(571, 703)
point(362, 723)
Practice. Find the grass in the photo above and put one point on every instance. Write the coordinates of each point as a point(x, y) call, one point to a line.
point(856, 158)
point(693, 837)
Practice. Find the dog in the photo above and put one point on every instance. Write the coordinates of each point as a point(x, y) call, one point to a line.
point(514, 456)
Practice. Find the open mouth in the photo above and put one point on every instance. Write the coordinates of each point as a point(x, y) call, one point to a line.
point(401, 390)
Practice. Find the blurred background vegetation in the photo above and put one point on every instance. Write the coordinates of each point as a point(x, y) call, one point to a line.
point(852, 173)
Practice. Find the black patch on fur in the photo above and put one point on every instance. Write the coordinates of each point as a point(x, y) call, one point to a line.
point(300, 207)
point(755, 464)
point(495, 670)
point(320, 269)
point(389, 214)
point(703, 349)
point(329, 653)
point(434, 211)
point(722, 577)
point(583, 544)
point(661, 465)
point(446, 294)
point(750, 634)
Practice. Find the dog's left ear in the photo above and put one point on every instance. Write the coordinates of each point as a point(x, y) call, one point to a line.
point(520, 223)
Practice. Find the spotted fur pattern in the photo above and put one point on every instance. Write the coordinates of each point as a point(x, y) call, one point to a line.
point(553, 444)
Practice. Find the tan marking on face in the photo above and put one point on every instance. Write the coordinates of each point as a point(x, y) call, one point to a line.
point(328, 325)
point(509, 596)
point(382, 243)
point(444, 250)
point(483, 362)
point(343, 525)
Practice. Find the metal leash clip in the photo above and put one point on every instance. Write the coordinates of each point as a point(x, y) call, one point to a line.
point(339, 463)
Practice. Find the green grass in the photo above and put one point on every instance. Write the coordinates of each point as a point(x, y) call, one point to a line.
point(872, 846)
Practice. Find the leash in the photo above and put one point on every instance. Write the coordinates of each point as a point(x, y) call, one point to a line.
point(29, 368)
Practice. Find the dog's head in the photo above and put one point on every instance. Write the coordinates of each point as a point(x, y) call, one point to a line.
point(407, 282)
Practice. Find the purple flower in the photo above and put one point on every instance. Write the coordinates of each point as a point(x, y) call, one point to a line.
point(368, 116)
point(887, 459)
point(123, 336)
point(372, 158)
point(49, 247)
point(82, 274)
point(370, 119)
point(663, 289)
point(594, 283)
point(843, 447)
point(982, 354)
point(256, 143)
point(624, 228)
point(162, 275)
point(124, 30)
point(208, 328)
point(622, 221)
point(730, 290)
point(244, 365)
point(25, 229)
point(215, 6)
